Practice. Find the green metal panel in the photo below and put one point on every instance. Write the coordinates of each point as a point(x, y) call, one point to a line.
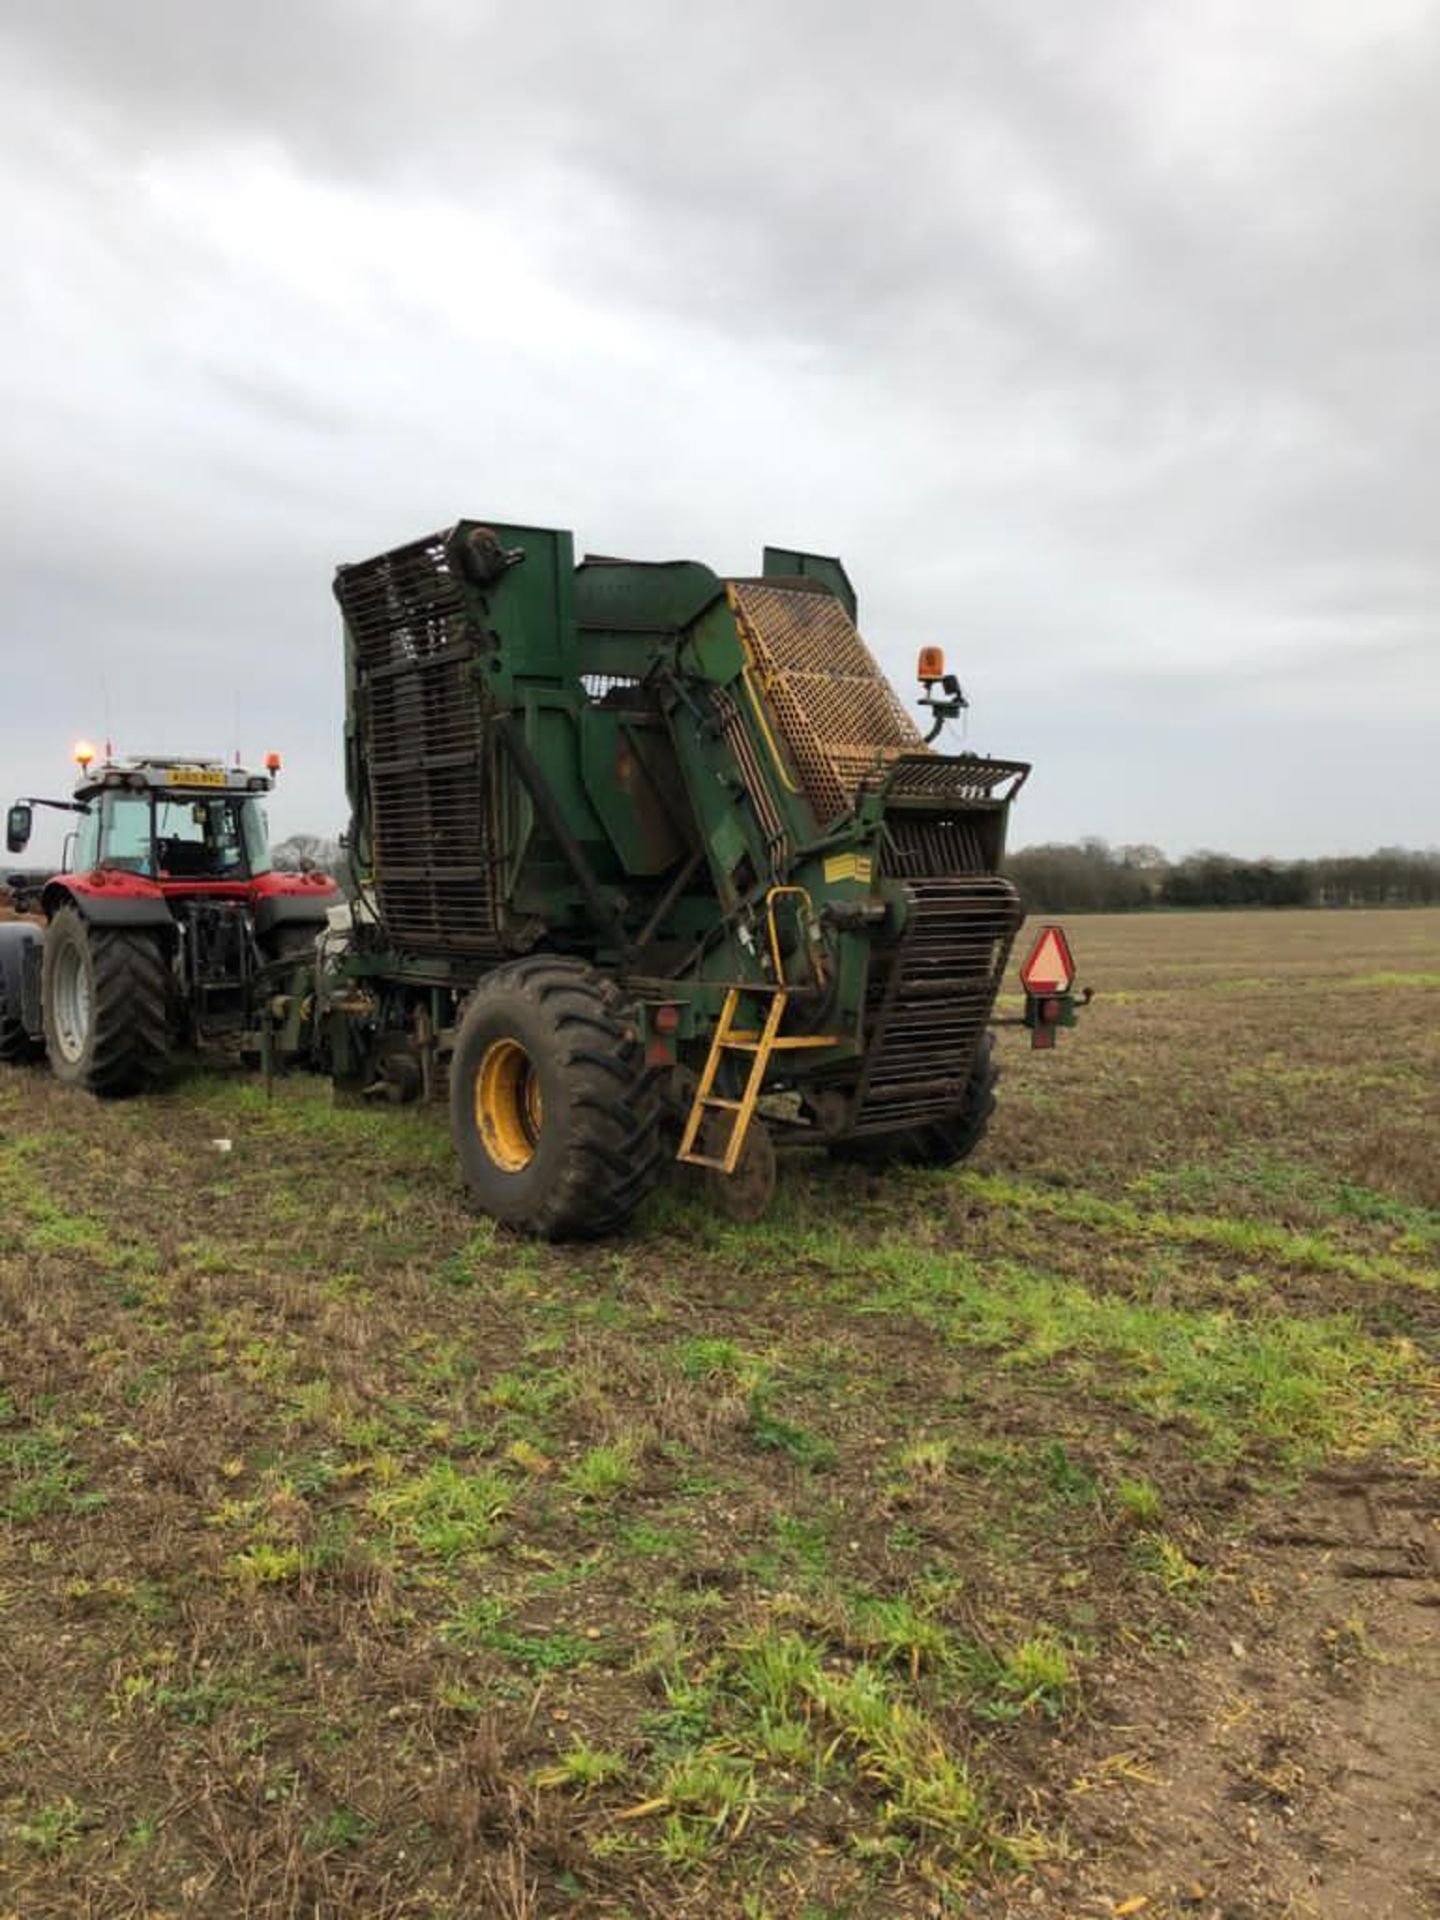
point(789, 563)
point(528, 612)
point(642, 597)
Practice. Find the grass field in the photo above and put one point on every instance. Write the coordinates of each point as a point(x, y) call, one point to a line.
point(1047, 1536)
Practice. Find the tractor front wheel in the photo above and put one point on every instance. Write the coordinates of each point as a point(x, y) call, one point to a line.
point(556, 1116)
point(104, 993)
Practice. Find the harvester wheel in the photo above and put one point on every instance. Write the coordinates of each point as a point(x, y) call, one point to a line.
point(556, 1116)
point(943, 1142)
point(104, 992)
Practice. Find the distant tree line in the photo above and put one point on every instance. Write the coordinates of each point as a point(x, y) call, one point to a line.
point(302, 850)
point(1094, 877)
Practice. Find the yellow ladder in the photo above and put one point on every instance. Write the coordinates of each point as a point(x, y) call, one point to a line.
point(758, 1043)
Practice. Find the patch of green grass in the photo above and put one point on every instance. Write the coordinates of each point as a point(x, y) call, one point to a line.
point(472, 1264)
point(649, 1540)
point(1214, 1182)
point(772, 1699)
point(892, 1631)
point(1251, 1239)
point(716, 1787)
point(1139, 1499)
point(39, 1477)
point(446, 1511)
point(926, 1460)
point(927, 1787)
point(1166, 1560)
point(535, 1393)
point(44, 1225)
point(201, 1702)
point(770, 1434)
point(1039, 1672)
point(488, 1622)
point(1302, 1386)
point(604, 1473)
point(338, 1831)
point(711, 1358)
point(582, 1768)
point(51, 1829)
point(1065, 1479)
point(267, 1565)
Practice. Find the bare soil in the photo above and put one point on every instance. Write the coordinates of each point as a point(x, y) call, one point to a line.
point(1289, 1763)
point(1056, 1536)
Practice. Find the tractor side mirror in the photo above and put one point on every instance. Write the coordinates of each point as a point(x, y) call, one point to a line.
point(18, 822)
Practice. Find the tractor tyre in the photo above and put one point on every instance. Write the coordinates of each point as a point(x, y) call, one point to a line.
point(556, 1115)
point(105, 994)
point(943, 1142)
point(16, 1046)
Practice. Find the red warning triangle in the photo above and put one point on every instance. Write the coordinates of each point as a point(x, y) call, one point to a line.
point(1050, 967)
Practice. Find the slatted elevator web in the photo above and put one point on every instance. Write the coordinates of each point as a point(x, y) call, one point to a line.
point(426, 769)
point(839, 715)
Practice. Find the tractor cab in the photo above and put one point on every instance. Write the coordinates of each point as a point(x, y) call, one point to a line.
point(173, 824)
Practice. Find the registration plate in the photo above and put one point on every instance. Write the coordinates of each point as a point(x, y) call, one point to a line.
point(194, 777)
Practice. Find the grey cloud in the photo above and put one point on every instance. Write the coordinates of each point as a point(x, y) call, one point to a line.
point(1099, 341)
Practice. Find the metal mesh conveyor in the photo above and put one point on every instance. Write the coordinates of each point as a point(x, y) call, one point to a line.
point(927, 1010)
point(840, 718)
point(430, 812)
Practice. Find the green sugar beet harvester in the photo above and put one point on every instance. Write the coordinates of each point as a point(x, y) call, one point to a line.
point(650, 864)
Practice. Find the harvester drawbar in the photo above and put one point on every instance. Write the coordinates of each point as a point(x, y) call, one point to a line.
point(650, 864)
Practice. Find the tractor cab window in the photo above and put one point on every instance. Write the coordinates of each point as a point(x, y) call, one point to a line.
point(257, 837)
point(123, 839)
point(198, 840)
point(87, 839)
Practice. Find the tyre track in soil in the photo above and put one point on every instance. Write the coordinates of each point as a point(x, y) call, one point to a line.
point(1290, 1767)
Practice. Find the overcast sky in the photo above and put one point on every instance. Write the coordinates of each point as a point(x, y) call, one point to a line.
point(1099, 341)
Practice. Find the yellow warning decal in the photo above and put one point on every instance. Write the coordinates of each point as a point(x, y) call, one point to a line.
point(850, 866)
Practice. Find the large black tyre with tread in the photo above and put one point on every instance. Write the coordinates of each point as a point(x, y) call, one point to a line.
point(943, 1142)
point(16, 1045)
point(105, 994)
point(555, 1114)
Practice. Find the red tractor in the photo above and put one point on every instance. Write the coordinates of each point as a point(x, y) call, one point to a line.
point(166, 929)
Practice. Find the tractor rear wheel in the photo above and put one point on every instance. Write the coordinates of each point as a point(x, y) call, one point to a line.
point(943, 1142)
point(556, 1116)
point(104, 992)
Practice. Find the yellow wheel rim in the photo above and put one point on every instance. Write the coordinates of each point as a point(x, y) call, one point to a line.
point(507, 1105)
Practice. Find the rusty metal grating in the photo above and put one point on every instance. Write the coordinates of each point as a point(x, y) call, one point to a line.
point(925, 1014)
point(931, 844)
point(428, 782)
point(838, 714)
point(958, 778)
